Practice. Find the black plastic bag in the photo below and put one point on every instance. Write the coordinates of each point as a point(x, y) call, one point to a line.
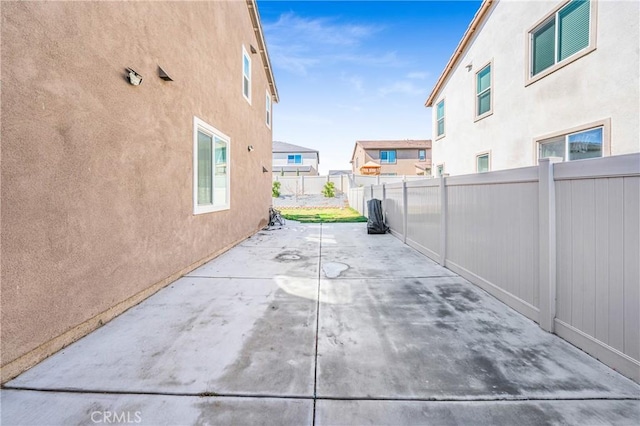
point(375, 224)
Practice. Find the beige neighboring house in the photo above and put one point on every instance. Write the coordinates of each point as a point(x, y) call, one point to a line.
point(134, 137)
point(392, 157)
point(294, 160)
point(534, 79)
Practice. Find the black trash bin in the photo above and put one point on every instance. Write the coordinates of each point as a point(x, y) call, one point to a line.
point(375, 224)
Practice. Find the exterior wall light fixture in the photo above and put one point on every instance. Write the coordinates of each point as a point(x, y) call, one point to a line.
point(134, 78)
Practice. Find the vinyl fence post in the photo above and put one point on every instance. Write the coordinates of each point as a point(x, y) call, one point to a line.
point(443, 221)
point(302, 183)
point(371, 192)
point(404, 212)
point(378, 180)
point(547, 245)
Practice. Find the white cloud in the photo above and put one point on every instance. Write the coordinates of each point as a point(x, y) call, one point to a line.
point(298, 44)
point(401, 87)
point(418, 75)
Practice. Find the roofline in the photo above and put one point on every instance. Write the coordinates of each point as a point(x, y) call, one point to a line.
point(355, 146)
point(478, 19)
point(262, 48)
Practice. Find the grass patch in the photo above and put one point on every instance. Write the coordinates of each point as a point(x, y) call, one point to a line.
point(323, 215)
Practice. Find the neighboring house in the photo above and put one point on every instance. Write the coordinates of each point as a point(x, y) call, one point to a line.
point(537, 79)
point(392, 157)
point(294, 160)
point(113, 187)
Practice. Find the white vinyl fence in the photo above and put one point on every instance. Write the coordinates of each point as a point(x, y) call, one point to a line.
point(307, 185)
point(559, 242)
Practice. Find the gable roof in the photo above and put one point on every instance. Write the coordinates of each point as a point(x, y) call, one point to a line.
point(262, 48)
point(392, 144)
point(477, 20)
point(278, 146)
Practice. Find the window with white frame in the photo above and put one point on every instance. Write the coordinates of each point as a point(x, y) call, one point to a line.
point(574, 146)
point(246, 75)
point(422, 155)
point(561, 37)
point(294, 159)
point(268, 112)
point(210, 168)
point(484, 105)
point(482, 162)
point(440, 118)
point(388, 157)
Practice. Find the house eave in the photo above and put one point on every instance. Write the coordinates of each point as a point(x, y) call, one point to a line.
point(478, 19)
point(262, 48)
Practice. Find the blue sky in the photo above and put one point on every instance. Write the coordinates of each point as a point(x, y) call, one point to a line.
point(357, 70)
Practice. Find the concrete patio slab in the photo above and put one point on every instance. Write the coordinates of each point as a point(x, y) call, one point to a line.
point(47, 408)
point(262, 262)
point(291, 235)
point(379, 261)
point(445, 339)
point(223, 336)
point(378, 334)
point(521, 413)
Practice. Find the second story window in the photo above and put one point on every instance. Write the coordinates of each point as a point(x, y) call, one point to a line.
point(246, 75)
point(483, 92)
point(422, 155)
point(440, 118)
point(294, 159)
point(388, 157)
point(268, 105)
point(560, 37)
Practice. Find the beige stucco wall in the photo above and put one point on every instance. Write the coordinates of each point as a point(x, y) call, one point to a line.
point(97, 175)
point(406, 159)
point(603, 85)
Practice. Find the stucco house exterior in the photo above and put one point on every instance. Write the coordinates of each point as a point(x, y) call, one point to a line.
point(539, 79)
point(294, 160)
point(392, 157)
point(134, 139)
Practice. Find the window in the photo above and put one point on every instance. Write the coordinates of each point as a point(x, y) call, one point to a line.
point(574, 146)
point(294, 159)
point(388, 157)
point(483, 92)
point(439, 170)
point(246, 75)
point(422, 155)
point(482, 163)
point(268, 105)
point(562, 37)
point(210, 168)
point(440, 118)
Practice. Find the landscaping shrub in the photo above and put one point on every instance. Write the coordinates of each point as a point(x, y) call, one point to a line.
point(275, 189)
point(329, 190)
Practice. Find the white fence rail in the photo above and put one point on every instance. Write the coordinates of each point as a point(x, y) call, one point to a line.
point(307, 185)
point(559, 242)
